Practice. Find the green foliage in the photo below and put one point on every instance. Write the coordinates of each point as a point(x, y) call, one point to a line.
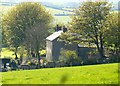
point(21, 17)
point(113, 33)
point(69, 57)
point(22, 51)
point(7, 53)
point(91, 61)
point(97, 74)
point(26, 23)
point(89, 24)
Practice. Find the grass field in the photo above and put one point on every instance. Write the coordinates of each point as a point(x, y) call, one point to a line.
point(7, 53)
point(57, 19)
point(56, 11)
point(95, 74)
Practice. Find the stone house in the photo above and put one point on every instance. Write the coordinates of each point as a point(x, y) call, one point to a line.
point(53, 47)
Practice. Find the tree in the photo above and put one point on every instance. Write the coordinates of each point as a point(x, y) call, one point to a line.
point(89, 24)
point(22, 19)
point(112, 35)
point(35, 38)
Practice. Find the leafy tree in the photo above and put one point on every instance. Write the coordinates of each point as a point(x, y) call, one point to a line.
point(112, 35)
point(35, 38)
point(21, 20)
point(89, 24)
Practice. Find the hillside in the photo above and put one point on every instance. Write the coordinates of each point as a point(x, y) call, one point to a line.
point(94, 74)
point(62, 18)
point(59, 19)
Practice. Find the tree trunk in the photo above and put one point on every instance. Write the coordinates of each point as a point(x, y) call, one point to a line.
point(101, 46)
point(28, 52)
point(16, 57)
point(37, 50)
point(99, 50)
point(38, 56)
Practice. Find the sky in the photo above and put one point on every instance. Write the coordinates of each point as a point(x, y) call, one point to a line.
point(52, 0)
point(41, 0)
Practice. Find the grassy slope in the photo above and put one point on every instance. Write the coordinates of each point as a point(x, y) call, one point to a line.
point(97, 74)
point(55, 11)
point(59, 19)
point(7, 53)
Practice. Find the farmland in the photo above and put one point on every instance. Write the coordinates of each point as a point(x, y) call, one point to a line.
point(6, 52)
point(95, 74)
point(57, 19)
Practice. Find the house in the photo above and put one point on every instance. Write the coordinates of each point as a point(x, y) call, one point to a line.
point(54, 47)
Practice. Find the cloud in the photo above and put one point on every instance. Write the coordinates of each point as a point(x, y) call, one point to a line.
point(40, 0)
point(53, 0)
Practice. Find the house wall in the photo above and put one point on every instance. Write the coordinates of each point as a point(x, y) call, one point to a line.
point(49, 50)
point(54, 48)
point(57, 45)
point(84, 51)
point(73, 46)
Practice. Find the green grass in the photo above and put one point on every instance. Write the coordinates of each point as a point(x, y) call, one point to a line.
point(56, 11)
point(57, 19)
point(95, 74)
point(7, 53)
point(62, 19)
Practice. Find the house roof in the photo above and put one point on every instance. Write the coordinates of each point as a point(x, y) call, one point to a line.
point(54, 35)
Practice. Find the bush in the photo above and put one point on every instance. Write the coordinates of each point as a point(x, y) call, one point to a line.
point(113, 58)
point(60, 64)
point(69, 57)
point(90, 61)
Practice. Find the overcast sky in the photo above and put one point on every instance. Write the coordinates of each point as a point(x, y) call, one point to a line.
point(40, 0)
point(51, 0)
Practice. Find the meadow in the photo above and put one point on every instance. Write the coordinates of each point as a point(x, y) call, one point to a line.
point(57, 19)
point(91, 74)
point(7, 53)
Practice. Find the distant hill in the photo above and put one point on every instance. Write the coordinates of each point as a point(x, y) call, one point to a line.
point(60, 6)
point(57, 5)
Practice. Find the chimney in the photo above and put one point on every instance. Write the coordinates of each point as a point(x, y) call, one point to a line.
point(58, 27)
point(64, 29)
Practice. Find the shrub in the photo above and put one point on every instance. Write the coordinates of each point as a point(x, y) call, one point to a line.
point(91, 61)
point(69, 57)
point(113, 58)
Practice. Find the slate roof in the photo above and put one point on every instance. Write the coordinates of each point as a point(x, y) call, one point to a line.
point(54, 35)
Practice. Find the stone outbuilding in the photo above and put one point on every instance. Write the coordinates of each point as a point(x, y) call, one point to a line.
point(54, 47)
